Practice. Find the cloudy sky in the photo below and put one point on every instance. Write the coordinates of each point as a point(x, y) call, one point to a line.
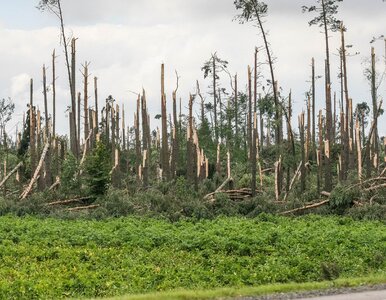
point(127, 40)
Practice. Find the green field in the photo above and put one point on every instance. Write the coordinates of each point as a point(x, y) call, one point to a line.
point(51, 258)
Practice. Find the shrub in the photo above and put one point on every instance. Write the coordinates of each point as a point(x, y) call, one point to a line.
point(97, 169)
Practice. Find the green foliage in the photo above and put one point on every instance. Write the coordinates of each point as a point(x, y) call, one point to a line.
point(70, 183)
point(7, 107)
point(343, 197)
point(330, 270)
point(251, 10)
point(368, 212)
point(326, 14)
point(98, 168)
point(60, 259)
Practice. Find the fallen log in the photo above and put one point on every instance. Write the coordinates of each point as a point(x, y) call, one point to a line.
point(376, 187)
point(315, 205)
point(69, 201)
point(327, 194)
point(36, 174)
point(83, 207)
point(10, 174)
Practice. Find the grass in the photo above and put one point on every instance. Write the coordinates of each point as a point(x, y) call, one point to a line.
point(257, 291)
point(51, 258)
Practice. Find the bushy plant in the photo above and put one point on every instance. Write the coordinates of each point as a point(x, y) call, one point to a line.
point(342, 197)
point(98, 169)
point(70, 183)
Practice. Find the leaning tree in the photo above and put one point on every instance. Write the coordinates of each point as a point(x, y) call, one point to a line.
point(255, 11)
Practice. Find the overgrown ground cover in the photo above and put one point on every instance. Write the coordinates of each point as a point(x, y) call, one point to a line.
point(52, 258)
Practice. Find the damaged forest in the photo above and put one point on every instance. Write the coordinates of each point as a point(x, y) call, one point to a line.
point(230, 155)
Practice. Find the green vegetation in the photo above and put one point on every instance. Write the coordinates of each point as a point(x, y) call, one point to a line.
point(257, 291)
point(51, 258)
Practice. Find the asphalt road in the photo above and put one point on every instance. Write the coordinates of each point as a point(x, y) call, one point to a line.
point(376, 292)
point(369, 295)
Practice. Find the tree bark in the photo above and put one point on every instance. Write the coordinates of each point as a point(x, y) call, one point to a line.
point(53, 95)
point(74, 142)
point(313, 112)
point(48, 177)
point(32, 124)
point(165, 146)
point(375, 144)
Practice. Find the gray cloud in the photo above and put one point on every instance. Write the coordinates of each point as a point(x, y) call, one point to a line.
point(126, 41)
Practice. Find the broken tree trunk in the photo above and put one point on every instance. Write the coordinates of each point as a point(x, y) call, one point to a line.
point(10, 174)
point(37, 171)
point(85, 103)
point(359, 148)
point(298, 170)
point(83, 207)
point(302, 170)
point(74, 139)
point(96, 103)
point(165, 146)
point(55, 184)
point(69, 201)
point(32, 124)
point(319, 204)
point(48, 173)
point(53, 95)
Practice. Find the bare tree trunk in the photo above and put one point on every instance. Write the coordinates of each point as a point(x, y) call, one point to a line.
point(176, 135)
point(375, 145)
point(75, 142)
point(275, 94)
point(214, 73)
point(53, 95)
point(138, 158)
point(145, 141)
point(191, 163)
point(123, 128)
point(329, 139)
point(261, 116)
point(313, 112)
point(308, 137)
point(320, 159)
point(359, 148)
point(36, 173)
point(250, 116)
point(342, 161)
point(165, 146)
point(302, 169)
point(218, 160)
point(117, 127)
point(253, 156)
point(96, 103)
point(78, 122)
point(334, 120)
point(85, 95)
point(346, 146)
point(32, 123)
point(236, 114)
point(113, 131)
point(48, 177)
point(255, 81)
